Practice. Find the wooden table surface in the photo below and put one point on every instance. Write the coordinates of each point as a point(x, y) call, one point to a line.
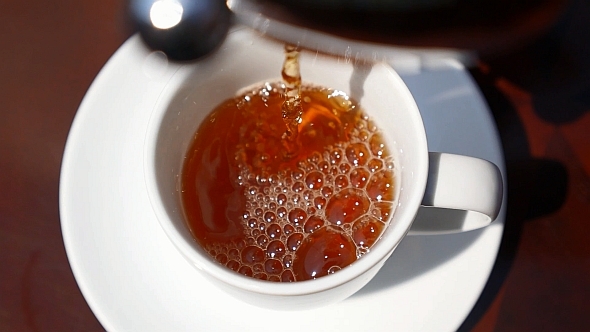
point(539, 94)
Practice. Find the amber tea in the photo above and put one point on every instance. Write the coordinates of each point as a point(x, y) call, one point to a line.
point(275, 215)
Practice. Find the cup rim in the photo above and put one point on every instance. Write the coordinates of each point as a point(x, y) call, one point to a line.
point(202, 261)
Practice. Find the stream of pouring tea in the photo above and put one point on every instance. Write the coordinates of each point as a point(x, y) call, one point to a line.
point(292, 110)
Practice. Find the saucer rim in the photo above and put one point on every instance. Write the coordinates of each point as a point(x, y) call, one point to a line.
point(69, 160)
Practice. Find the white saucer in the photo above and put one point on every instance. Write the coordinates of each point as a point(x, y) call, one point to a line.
point(135, 280)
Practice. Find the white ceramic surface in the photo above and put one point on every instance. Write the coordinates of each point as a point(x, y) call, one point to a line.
point(134, 279)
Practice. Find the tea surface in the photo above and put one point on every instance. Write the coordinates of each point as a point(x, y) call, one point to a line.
point(272, 214)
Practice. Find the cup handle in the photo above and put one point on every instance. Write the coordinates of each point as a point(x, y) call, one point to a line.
point(462, 193)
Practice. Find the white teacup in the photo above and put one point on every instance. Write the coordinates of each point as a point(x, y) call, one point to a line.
point(467, 191)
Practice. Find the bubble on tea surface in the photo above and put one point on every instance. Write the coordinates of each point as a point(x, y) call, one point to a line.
point(334, 171)
point(246, 270)
point(261, 276)
point(308, 195)
point(375, 165)
point(252, 254)
point(324, 167)
point(221, 258)
point(260, 179)
point(275, 249)
point(294, 241)
point(297, 216)
point(357, 154)
point(273, 231)
point(380, 186)
point(239, 243)
point(345, 168)
point(273, 179)
point(287, 276)
point(288, 261)
point(327, 191)
point(359, 177)
point(282, 212)
point(253, 191)
point(314, 180)
point(377, 145)
point(383, 210)
point(262, 241)
point(336, 157)
point(234, 265)
point(233, 254)
point(269, 217)
point(298, 187)
point(314, 158)
point(273, 266)
point(341, 181)
point(288, 229)
point(297, 174)
point(258, 268)
point(321, 251)
point(363, 135)
point(252, 223)
point(312, 224)
point(365, 232)
point(346, 206)
point(319, 202)
point(334, 269)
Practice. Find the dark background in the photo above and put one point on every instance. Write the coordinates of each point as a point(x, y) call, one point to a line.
point(538, 90)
